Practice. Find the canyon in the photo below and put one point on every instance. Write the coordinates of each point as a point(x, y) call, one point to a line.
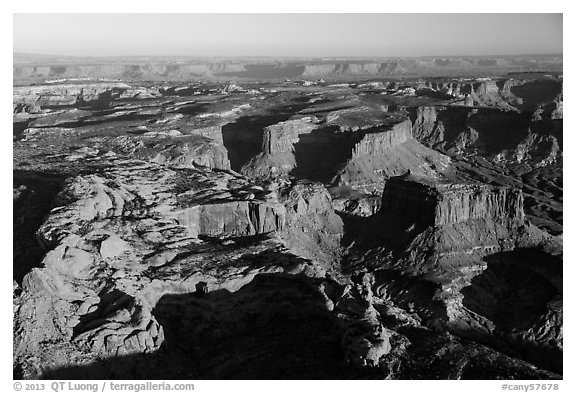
point(379, 219)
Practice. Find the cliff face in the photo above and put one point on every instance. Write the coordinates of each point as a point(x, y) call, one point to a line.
point(281, 137)
point(74, 94)
point(495, 134)
point(379, 142)
point(151, 71)
point(364, 156)
point(120, 239)
point(425, 128)
point(317, 70)
point(429, 203)
point(389, 152)
point(278, 156)
point(313, 229)
point(439, 227)
point(453, 253)
point(183, 69)
point(234, 218)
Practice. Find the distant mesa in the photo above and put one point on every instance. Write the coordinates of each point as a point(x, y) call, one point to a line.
point(30, 67)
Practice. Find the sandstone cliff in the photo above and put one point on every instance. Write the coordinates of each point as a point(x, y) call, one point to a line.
point(278, 155)
point(313, 229)
point(112, 235)
point(75, 94)
point(186, 69)
point(498, 135)
point(389, 152)
point(433, 203)
point(447, 243)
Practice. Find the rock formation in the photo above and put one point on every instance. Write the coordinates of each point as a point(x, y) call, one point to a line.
point(154, 69)
point(491, 133)
point(287, 228)
point(113, 232)
point(278, 152)
point(389, 152)
point(446, 241)
point(434, 203)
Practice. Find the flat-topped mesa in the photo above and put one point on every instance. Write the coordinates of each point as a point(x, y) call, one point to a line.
point(140, 228)
point(378, 142)
point(438, 228)
point(53, 95)
point(278, 156)
point(212, 132)
point(429, 203)
point(281, 137)
point(386, 153)
point(197, 202)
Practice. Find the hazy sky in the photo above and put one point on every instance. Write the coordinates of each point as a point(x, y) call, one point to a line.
point(287, 34)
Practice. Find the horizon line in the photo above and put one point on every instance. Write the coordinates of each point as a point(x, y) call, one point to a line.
point(284, 56)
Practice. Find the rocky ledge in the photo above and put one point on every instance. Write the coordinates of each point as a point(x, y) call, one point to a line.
point(451, 253)
point(432, 202)
point(113, 234)
point(387, 152)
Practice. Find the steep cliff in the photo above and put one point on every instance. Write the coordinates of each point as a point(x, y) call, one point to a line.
point(112, 234)
point(436, 227)
point(425, 128)
point(429, 203)
point(79, 94)
point(388, 152)
point(494, 134)
point(376, 143)
point(451, 252)
point(281, 137)
point(278, 155)
point(313, 229)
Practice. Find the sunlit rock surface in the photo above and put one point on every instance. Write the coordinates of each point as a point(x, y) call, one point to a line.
point(289, 221)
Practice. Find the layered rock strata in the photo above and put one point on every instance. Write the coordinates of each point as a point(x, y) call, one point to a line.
point(114, 231)
point(498, 135)
point(278, 155)
point(440, 246)
point(428, 202)
point(389, 152)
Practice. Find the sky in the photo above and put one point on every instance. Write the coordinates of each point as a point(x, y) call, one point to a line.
point(287, 35)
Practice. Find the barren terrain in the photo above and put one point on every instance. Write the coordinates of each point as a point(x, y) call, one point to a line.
point(294, 219)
